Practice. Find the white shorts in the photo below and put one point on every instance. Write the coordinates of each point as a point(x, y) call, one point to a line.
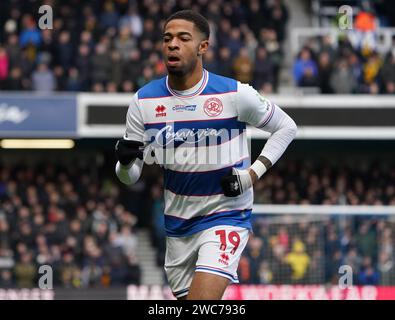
point(216, 250)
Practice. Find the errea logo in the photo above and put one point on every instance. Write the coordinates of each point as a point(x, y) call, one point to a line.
point(160, 111)
point(224, 259)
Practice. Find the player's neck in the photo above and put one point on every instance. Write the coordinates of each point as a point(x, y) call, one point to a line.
point(187, 81)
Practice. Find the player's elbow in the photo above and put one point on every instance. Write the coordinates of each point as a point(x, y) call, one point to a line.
point(289, 128)
point(293, 128)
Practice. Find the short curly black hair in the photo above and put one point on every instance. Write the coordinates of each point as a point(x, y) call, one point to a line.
point(200, 22)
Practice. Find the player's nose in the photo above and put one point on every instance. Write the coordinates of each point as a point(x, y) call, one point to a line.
point(173, 44)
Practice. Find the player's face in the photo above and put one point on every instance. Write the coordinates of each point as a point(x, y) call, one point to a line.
point(183, 45)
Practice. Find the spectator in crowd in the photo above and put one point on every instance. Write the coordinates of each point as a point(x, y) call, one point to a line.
point(15, 81)
point(263, 69)
point(109, 17)
point(279, 18)
point(265, 274)
point(158, 223)
point(6, 281)
point(83, 65)
point(304, 67)
point(366, 240)
point(368, 274)
point(30, 34)
point(133, 21)
point(101, 65)
point(324, 72)
point(388, 73)
point(386, 268)
point(210, 62)
point(4, 65)
point(73, 81)
point(13, 51)
point(43, 79)
point(225, 66)
point(356, 69)
point(370, 73)
point(64, 50)
point(254, 252)
point(342, 80)
point(243, 66)
point(124, 43)
point(299, 260)
point(268, 38)
point(25, 271)
point(282, 270)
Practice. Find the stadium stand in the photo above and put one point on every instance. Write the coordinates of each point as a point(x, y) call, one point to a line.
point(82, 222)
point(95, 42)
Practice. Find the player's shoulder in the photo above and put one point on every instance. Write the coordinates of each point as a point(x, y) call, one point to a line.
point(219, 84)
point(153, 89)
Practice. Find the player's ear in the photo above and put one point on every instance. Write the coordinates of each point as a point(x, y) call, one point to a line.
point(203, 47)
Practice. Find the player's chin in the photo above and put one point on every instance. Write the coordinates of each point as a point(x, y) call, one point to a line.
point(176, 69)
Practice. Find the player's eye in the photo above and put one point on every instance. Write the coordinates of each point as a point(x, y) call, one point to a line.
point(166, 39)
point(185, 39)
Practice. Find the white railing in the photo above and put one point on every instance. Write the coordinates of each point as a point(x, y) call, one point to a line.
point(323, 209)
point(381, 39)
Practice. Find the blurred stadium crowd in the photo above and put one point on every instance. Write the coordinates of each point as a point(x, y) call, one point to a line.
point(345, 69)
point(110, 46)
point(67, 218)
point(115, 46)
point(77, 220)
point(309, 249)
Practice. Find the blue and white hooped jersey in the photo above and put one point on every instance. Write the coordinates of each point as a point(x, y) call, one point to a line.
point(198, 135)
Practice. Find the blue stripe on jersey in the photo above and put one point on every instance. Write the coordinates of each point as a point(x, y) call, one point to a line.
point(181, 291)
point(178, 227)
point(154, 89)
point(196, 183)
point(219, 84)
point(229, 275)
point(229, 127)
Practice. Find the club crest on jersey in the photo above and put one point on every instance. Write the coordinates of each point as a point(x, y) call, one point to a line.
point(160, 111)
point(213, 107)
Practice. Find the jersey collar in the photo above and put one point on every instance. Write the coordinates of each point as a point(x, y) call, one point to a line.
point(189, 93)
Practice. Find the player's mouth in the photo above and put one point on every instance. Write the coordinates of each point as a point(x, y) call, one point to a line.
point(173, 60)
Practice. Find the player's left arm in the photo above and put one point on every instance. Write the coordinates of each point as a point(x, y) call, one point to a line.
point(129, 149)
point(261, 113)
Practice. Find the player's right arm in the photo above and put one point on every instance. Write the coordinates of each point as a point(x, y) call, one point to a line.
point(259, 112)
point(129, 149)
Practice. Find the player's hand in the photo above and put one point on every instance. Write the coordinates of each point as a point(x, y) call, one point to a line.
point(127, 151)
point(236, 182)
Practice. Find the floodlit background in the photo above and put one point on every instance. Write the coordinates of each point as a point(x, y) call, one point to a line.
point(329, 202)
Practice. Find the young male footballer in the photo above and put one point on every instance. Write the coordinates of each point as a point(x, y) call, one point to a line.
point(208, 204)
